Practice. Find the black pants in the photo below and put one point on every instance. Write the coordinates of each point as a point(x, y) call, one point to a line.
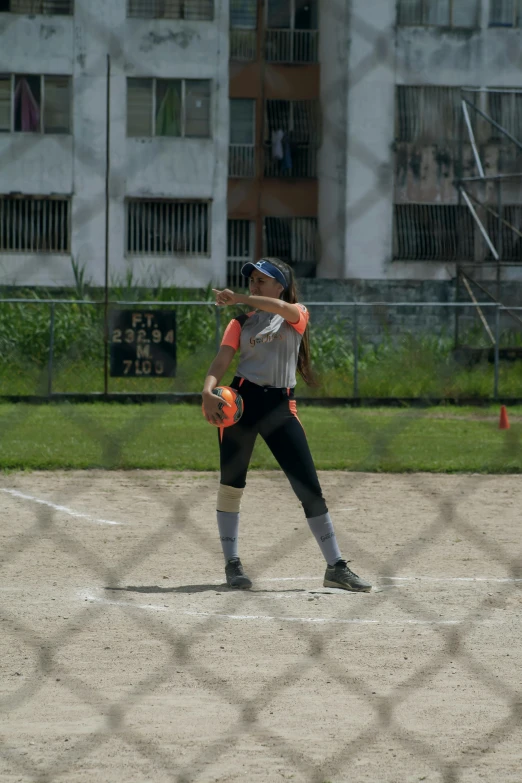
point(268, 412)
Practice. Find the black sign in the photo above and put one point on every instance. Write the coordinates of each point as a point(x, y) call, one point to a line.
point(143, 343)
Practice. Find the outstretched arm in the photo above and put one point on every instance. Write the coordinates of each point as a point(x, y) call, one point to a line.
point(290, 312)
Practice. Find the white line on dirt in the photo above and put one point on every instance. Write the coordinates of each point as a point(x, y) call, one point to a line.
point(319, 620)
point(126, 604)
point(64, 509)
point(87, 596)
point(402, 579)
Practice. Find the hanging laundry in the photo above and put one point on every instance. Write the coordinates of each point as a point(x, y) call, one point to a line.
point(277, 144)
point(26, 103)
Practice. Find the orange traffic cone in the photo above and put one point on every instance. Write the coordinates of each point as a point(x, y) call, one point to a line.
point(504, 421)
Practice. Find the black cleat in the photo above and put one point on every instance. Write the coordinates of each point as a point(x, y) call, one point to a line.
point(339, 575)
point(236, 577)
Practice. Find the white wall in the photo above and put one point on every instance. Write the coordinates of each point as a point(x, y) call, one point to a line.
point(334, 47)
point(152, 167)
point(369, 181)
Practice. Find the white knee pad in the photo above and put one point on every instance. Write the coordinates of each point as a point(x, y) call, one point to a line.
point(229, 498)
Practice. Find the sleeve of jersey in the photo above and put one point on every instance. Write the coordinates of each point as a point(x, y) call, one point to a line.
point(304, 317)
point(232, 335)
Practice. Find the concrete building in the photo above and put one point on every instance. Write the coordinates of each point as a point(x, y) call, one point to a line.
point(323, 132)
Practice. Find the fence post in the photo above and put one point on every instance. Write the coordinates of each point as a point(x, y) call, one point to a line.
point(218, 328)
point(355, 334)
point(497, 354)
point(51, 352)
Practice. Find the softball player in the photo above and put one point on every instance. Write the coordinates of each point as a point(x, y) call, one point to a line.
point(273, 343)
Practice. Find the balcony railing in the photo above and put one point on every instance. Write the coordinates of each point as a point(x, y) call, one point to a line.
point(48, 7)
point(241, 160)
point(291, 46)
point(303, 163)
point(243, 45)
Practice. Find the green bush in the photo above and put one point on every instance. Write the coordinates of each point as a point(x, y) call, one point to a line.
point(409, 365)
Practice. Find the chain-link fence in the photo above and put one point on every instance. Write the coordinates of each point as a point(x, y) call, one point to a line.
point(361, 351)
point(123, 656)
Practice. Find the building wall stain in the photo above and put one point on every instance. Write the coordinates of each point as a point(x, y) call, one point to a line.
point(181, 38)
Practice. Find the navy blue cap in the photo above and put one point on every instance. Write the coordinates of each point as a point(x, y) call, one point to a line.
point(267, 269)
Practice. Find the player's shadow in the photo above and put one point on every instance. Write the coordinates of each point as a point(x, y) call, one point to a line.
point(223, 588)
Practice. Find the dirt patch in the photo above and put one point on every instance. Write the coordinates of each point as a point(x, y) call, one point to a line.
point(124, 658)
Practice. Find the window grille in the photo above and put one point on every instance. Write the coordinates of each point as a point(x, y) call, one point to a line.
point(34, 224)
point(505, 108)
point(433, 232)
point(161, 227)
point(168, 107)
point(192, 10)
point(47, 7)
point(427, 115)
point(505, 13)
point(298, 118)
point(438, 13)
point(510, 246)
point(292, 128)
point(294, 240)
point(35, 104)
point(241, 158)
point(243, 45)
point(240, 250)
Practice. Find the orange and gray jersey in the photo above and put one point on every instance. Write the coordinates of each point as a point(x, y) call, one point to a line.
point(268, 345)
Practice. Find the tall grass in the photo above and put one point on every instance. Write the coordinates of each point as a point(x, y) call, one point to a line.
point(405, 365)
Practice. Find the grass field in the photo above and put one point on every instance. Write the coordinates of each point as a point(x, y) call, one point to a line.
point(176, 437)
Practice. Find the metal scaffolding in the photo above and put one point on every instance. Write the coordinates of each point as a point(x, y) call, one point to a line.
point(484, 194)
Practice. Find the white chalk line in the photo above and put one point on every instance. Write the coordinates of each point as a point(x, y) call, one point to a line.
point(63, 509)
point(403, 579)
point(86, 596)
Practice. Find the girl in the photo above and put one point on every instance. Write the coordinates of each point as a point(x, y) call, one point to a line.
point(273, 343)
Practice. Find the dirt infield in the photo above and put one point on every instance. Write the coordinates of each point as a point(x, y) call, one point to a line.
point(124, 658)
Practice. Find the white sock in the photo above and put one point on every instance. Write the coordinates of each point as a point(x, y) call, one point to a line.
point(228, 525)
point(323, 530)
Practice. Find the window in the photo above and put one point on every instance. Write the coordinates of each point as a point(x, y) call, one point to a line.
point(438, 13)
point(48, 7)
point(505, 13)
point(433, 232)
point(292, 131)
point(243, 26)
point(195, 10)
point(292, 14)
point(240, 249)
point(243, 14)
point(427, 115)
point(299, 118)
point(291, 34)
point(35, 104)
point(168, 107)
point(294, 240)
point(241, 158)
point(34, 224)
point(505, 108)
point(160, 227)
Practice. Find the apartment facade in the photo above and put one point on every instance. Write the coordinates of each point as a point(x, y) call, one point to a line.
point(210, 132)
point(164, 109)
